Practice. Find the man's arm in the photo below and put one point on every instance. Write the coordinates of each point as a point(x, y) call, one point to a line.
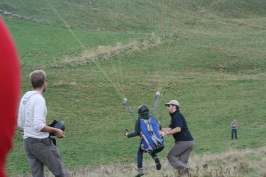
point(169, 131)
point(166, 129)
point(58, 133)
point(136, 133)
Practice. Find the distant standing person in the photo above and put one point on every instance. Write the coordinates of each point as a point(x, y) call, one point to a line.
point(234, 126)
point(178, 156)
point(39, 148)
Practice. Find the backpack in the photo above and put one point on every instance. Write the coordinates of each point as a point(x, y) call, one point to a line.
point(151, 140)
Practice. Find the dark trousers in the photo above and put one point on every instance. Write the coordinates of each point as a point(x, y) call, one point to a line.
point(42, 152)
point(140, 156)
point(234, 134)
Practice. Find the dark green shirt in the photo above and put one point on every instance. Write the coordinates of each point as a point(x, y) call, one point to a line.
point(178, 120)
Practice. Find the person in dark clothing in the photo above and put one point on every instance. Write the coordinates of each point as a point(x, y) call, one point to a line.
point(143, 112)
point(179, 154)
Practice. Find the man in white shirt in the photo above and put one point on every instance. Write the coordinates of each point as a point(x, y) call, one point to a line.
point(32, 119)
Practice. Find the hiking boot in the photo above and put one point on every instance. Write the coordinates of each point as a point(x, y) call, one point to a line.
point(140, 173)
point(182, 171)
point(157, 163)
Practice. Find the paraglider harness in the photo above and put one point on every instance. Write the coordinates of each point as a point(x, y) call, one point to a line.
point(151, 140)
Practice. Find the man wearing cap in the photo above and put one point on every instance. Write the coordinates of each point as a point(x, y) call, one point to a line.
point(179, 154)
point(39, 148)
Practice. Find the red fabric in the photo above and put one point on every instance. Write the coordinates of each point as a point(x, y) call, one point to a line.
point(9, 93)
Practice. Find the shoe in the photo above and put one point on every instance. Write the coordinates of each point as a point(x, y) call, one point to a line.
point(157, 163)
point(140, 173)
point(185, 171)
point(182, 171)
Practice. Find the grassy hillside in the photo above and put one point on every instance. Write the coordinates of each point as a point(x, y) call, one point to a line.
point(208, 55)
point(132, 16)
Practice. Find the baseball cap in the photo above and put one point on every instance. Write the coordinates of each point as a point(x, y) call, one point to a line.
point(172, 102)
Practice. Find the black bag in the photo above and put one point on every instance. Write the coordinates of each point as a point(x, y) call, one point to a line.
point(53, 140)
point(57, 124)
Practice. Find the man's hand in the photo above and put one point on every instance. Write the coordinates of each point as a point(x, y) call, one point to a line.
point(59, 133)
point(162, 133)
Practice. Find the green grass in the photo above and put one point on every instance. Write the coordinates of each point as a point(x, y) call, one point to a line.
point(49, 45)
point(208, 55)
